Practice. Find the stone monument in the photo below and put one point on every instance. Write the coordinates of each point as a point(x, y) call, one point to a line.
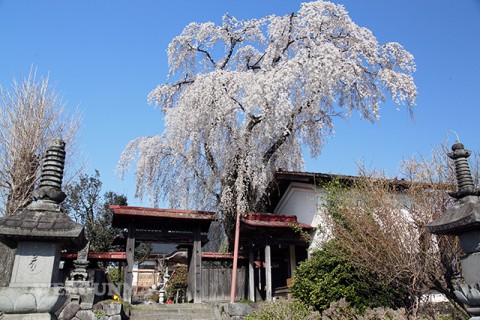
point(463, 220)
point(79, 287)
point(39, 233)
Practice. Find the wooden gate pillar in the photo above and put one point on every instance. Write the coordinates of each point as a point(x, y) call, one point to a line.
point(195, 267)
point(293, 260)
point(268, 272)
point(251, 276)
point(128, 270)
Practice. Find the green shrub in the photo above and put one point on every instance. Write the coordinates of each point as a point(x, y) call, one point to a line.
point(283, 309)
point(338, 310)
point(115, 275)
point(341, 310)
point(327, 277)
point(178, 281)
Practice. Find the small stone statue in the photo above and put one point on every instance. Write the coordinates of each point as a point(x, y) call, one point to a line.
point(81, 263)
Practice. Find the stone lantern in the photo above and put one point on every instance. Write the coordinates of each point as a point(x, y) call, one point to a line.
point(39, 233)
point(463, 220)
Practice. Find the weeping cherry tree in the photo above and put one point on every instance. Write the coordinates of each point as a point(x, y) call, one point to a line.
point(247, 95)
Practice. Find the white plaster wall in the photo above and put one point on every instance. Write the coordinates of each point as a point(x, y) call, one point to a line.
point(299, 200)
point(433, 297)
point(135, 275)
point(305, 201)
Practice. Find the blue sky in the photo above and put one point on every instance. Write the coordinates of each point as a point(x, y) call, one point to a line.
point(106, 56)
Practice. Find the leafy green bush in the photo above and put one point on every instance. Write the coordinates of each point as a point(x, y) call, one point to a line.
point(283, 309)
point(178, 281)
point(115, 275)
point(327, 277)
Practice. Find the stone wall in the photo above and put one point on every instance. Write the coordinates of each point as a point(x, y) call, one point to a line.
point(105, 310)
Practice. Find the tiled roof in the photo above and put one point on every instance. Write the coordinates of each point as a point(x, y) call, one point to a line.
point(317, 175)
point(162, 213)
point(34, 224)
point(273, 221)
point(283, 179)
point(314, 177)
point(220, 255)
point(98, 256)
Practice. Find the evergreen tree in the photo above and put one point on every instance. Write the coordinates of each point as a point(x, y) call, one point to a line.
point(86, 206)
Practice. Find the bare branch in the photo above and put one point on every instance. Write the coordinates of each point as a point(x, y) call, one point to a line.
point(31, 114)
point(207, 54)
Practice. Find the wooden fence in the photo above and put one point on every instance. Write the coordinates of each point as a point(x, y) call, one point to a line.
point(216, 283)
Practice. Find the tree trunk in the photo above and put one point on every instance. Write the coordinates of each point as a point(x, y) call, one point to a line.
point(229, 219)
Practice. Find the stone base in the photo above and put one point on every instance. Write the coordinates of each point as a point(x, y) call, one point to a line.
point(84, 290)
point(31, 300)
point(29, 316)
point(238, 309)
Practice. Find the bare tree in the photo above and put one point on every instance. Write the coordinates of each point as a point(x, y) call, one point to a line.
point(31, 114)
point(380, 223)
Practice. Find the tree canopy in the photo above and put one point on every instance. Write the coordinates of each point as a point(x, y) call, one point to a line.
point(86, 205)
point(248, 95)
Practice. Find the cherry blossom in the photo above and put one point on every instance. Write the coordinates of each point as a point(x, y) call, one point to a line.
point(245, 96)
